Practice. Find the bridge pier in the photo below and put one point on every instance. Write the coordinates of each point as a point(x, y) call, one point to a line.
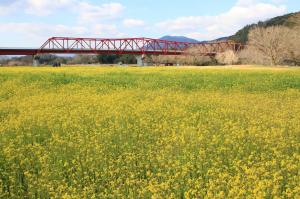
point(35, 60)
point(140, 60)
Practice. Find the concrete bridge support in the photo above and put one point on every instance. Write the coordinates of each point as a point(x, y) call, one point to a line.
point(140, 60)
point(35, 60)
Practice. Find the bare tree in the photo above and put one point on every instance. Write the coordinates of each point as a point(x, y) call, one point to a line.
point(273, 45)
point(195, 56)
point(293, 44)
point(83, 59)
point(228, 57)
point(250, 55)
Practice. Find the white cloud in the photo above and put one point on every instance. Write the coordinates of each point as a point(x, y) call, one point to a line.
point(34, 30)
point(34, 34)
point(97, 20)
point(106, 30)
point(7, 7)
point(210, 27)
point(133, 22)
point(45, 7)
point(254, 2)
point(246, 2)
point(94, 13)
point(33, 7)
point(87, 12)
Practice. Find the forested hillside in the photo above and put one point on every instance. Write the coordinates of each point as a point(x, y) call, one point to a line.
point(289, 20)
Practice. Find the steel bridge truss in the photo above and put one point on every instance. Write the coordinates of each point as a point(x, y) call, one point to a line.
point(137, 46)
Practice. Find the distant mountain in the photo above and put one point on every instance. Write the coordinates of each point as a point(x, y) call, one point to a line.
point(179, 39)
point(186, 39)
point(289, 20)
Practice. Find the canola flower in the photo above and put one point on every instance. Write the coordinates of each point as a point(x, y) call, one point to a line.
point(149, 133)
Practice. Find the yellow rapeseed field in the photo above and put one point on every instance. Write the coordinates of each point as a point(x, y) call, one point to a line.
point(100, 132)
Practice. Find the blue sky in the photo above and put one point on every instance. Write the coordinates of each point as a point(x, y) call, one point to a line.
point(28, 23)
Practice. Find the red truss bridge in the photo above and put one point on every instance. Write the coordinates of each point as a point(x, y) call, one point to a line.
point(136, 46)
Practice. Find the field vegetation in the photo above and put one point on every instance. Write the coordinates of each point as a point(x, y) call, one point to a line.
point(149, 132)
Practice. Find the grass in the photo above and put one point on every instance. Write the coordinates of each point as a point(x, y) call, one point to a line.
point(149, 132)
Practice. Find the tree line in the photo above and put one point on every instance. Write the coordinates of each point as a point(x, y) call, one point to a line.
point(70, 60)
point(274, 45)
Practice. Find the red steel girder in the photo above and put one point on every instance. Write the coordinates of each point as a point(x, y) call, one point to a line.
point(70, 45)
